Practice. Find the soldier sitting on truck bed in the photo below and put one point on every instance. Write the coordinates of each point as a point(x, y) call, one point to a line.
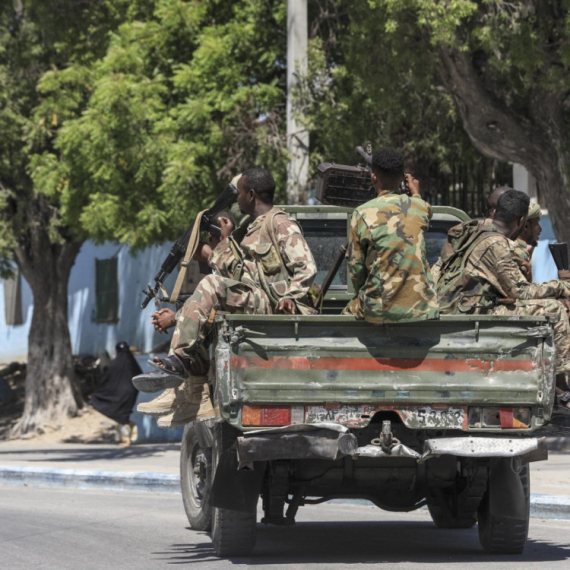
point(164, 319)
point(386, 252)
point(264, 267)
point(527, 240)
point(478, 274)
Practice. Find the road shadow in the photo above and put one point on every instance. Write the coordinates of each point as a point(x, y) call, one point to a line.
point(365, 543)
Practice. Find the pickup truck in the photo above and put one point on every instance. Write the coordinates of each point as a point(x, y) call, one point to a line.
point(445, 413)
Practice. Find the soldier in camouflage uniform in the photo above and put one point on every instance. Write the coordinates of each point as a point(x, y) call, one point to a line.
point(477, 274)
point(386, 252)
point(265, 266)
point(528, 240)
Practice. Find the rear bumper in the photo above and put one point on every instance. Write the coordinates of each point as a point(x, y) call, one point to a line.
point(333, 441)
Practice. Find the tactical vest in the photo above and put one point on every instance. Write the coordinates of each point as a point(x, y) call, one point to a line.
point(272, 273)
point(458, 292)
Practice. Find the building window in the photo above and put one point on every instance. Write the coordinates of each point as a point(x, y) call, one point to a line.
point(106, 291)
point(13, 299)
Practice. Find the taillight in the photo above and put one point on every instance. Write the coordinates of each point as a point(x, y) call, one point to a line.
point(272, 415)
point(503, 417)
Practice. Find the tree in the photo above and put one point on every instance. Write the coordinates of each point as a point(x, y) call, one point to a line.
point(36, 36)
point(124, 118)
point(371, 79)
point(505, 64)
point(181, 102)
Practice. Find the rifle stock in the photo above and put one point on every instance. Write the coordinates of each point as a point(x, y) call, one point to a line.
point(224, 200)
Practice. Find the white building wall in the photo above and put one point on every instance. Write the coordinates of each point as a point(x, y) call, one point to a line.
point(87, 336)
point(524, 181)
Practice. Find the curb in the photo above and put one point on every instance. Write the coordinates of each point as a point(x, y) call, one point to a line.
point(90, 479)
point(550, 507)
point(541, 506)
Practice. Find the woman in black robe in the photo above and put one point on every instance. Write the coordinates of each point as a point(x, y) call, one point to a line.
point(116, 396)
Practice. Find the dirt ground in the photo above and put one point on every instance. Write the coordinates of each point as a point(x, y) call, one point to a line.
point(89, 426)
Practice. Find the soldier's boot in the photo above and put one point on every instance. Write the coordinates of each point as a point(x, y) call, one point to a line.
point(206, 410)
point(190, 407)
point(164, 404)
point(169, 373)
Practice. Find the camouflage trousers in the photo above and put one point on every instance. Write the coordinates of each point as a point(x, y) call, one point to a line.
point(196, 318)
point(557, 314)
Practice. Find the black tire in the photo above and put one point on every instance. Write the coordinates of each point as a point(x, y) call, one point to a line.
point(505, 533)
point(195, 481)
point(233, 532)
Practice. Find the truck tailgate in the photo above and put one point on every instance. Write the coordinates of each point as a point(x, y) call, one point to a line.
point(323, 360)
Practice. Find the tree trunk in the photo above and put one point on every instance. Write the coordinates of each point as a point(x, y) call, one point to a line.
point(51, 394)
point(536, 139)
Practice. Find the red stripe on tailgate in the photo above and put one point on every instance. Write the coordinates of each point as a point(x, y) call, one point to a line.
point(379, 364)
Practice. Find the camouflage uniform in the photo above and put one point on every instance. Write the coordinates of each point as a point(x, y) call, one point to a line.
point(387, 260)
point(490, 275)
point(251, 277)
point(520, 250)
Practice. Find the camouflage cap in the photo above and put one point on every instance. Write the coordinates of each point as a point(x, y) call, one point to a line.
point(533, 211)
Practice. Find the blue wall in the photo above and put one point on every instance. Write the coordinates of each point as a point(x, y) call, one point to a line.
point(543, 266)
point(87, 336)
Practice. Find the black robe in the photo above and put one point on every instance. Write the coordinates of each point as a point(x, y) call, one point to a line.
point(116, 395)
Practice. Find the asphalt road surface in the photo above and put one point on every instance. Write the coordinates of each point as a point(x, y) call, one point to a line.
point(69, 529)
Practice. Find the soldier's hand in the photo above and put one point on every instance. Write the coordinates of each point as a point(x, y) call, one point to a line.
point(413, 184)
point(226, 226)
point(526, 269)
point(287, 306)
point(163, 319)
point(566, 304)
point(564, 274)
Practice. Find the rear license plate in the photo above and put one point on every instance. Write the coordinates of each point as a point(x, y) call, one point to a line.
point(418, 417)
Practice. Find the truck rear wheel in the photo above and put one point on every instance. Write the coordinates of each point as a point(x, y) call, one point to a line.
point(504, 511)
point(233, 532)
point(195, 480)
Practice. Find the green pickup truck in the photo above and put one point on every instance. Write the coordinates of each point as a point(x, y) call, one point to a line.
point(441, 413)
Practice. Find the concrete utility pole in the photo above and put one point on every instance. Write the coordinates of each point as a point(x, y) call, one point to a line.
point(297, 137)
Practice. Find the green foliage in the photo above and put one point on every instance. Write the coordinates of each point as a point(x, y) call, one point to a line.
point(40, 37)
point(154, 130)
point(130, 116)
point(378, 81)
point(516, 46)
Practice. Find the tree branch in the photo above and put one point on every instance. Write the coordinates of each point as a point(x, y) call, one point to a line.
point(493, 128)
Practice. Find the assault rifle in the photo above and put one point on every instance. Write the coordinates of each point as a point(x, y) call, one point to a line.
point(318, 292)
point(178, 250)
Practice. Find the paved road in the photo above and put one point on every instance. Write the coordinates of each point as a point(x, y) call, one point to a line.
point(67, 529)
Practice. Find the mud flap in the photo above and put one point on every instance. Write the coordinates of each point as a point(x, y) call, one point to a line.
point(233, 489)
point(506, 493)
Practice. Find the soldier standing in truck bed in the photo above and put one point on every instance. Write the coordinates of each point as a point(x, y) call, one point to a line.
point(386, 252)
point(263, 267)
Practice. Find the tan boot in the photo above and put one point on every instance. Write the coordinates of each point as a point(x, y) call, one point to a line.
point(164, 404)
point(188, 410)
point(206, 410)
